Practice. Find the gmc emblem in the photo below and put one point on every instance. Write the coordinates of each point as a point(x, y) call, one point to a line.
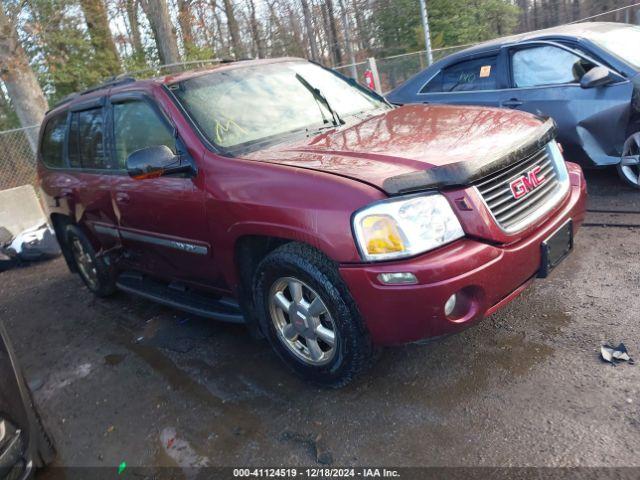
point(521, 186)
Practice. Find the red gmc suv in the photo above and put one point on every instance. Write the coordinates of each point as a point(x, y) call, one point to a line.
point(280, 194)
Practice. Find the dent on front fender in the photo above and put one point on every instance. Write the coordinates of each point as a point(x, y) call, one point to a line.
point(602, 133)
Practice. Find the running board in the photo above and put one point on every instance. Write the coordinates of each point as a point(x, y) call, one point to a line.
point(180, 297)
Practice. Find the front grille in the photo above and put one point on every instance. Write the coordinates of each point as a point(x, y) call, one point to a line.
point(513, 214)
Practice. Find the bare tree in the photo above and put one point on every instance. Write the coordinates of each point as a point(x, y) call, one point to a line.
point(95, 14)
point(185, 20)
point(134, 28)
point(234, 31)
point(165, 35)
point(256, 35)
point(18, 77)
point(311, 34)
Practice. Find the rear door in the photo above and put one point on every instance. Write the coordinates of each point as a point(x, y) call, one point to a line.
point(545, 80)
point(91, 172)
point(475, 80)
point(161, 220)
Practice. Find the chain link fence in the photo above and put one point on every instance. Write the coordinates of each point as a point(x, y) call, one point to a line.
point(17, 157)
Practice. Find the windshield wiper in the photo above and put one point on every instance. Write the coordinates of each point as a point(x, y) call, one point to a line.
point(317, 94)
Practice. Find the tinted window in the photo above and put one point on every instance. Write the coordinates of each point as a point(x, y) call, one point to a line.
point(477, 74)
point(53, 141)
point(434, 85)
point(137, 125)
point(547, 65)
point(86, 140)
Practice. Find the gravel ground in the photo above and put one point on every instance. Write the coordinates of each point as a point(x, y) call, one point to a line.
point(127, 380)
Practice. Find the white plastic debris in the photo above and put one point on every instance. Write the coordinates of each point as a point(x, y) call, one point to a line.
point(35, 243)
point(614, 355)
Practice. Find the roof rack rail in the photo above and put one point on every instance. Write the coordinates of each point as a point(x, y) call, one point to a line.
point(111, 82)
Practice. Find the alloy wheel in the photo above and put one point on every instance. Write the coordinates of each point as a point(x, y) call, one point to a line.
point(302, 321)
point(85, 263)
point(630, 162)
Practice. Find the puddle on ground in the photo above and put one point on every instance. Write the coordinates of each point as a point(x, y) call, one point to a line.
point(462, 366)
point(234, 423)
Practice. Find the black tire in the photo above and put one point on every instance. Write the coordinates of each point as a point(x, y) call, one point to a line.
point(631, 174)
point(103, 284)
point(353, 349)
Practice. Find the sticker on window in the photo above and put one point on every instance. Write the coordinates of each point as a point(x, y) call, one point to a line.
point(485, 71)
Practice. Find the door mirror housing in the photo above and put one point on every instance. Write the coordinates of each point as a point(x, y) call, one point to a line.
point(596, 77)
point(153, 162)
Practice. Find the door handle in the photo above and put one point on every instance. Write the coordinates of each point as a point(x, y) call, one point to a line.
point(122, 198)
point(512, 103)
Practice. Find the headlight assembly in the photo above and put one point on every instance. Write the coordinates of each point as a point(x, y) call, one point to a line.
point(405, 227)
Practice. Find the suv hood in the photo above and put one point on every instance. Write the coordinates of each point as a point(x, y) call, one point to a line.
point(417, 147)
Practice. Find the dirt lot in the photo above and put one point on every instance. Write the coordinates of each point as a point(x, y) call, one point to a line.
point(126, 380)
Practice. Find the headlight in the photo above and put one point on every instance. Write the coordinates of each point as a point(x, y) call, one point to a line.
point(405, 227)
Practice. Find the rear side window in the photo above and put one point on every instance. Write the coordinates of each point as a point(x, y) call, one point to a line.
point(52, 146)
point(547, 65)
point(476, 74)
point(86, 140)
point(138, 125)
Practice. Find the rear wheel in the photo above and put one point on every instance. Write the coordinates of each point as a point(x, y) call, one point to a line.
point(309, 317)
point(95, 273)
point(629, 166)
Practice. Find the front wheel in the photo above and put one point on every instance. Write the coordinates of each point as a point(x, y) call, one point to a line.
point(95, 273)
point(309, 317)
point(629, 166)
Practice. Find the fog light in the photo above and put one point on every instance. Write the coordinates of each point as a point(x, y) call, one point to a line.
point(450, 305)
point(400, 278)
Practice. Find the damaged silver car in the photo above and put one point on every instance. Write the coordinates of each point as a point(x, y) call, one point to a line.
point(585, 76)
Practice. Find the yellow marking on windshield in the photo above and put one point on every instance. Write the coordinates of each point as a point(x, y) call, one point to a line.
point(222, 128)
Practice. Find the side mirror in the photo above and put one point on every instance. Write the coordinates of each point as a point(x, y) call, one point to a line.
point(596, 77)
point(152, 162)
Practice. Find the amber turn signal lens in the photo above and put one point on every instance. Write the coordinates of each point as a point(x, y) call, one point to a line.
point(381, 235)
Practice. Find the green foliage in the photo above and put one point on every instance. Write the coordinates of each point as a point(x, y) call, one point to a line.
point(57, 41)
point(452, 22)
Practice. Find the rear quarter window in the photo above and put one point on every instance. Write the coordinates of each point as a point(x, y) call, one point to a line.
point(52, 146)
point(467, 76)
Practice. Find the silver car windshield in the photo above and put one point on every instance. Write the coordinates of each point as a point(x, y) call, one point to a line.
point(623, 43)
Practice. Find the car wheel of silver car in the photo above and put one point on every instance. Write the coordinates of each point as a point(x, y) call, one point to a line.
point(629, 166)
point(93, 271)
point(309, 317)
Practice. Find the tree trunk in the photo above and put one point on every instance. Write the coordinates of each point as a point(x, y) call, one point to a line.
point(185, 20)
point(347, 39)
point(19, 79)
point(311, 34)
point(234, 31)
point(95, 13)
point(255, 30)
point(134, 29)
point(297, 49)
point(334, 45)
point(163, 31)
point(224, 45)
point(363, 35)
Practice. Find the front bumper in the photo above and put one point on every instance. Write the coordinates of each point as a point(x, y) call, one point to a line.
point(485, 276)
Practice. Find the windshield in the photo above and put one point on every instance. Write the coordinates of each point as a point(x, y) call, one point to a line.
point(623, 43)
point(245, 106)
